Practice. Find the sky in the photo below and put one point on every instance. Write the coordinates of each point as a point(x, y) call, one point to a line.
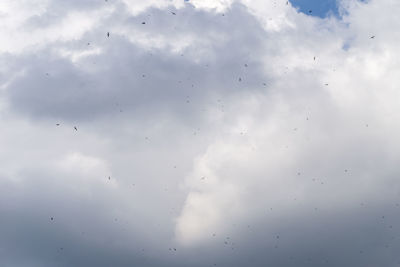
point(316, 8)
point(199, 133)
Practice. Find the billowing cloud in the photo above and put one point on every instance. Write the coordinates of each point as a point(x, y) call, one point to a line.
point(198, 133)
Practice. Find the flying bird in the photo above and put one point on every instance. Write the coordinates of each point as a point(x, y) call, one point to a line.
point(372, 37)
point(143, 22)
point(173, 13)
point(108, 34)
point(76, 129)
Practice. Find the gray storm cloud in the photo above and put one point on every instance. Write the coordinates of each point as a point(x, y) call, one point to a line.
point(217, 133)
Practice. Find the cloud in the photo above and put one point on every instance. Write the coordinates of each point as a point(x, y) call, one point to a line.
point(235, 133)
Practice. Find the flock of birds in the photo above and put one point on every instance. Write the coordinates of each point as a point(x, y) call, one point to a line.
point(227, 239)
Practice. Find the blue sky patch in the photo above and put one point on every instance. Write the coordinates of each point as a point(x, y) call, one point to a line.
point(320, 8)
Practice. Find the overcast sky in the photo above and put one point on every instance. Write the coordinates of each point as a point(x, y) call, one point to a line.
point(199, 133)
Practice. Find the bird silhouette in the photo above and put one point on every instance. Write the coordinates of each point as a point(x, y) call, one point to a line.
point(108, 34)
point(76, 129)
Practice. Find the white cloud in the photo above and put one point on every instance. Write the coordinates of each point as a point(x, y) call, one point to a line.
point(240, 119)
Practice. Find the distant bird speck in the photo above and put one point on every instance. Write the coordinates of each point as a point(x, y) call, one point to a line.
point(76, 129)
point(108, 34)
